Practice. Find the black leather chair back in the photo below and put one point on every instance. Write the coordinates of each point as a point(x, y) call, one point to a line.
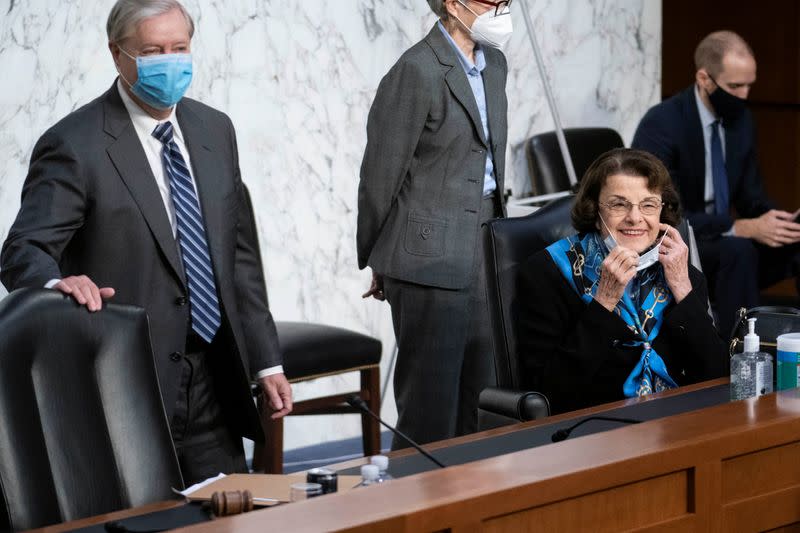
point(508, 242)
point(83, 430)
point(546, 165)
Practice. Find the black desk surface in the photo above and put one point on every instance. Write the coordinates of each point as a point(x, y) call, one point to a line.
point(185, 515)
point(542, 434)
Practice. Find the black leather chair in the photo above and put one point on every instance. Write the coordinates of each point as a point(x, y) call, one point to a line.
point(82, 426)
point(546, 165)
point(313, 351)
point(507, 243)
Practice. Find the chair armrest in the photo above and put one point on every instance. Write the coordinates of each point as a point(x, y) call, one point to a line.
point(500, 407)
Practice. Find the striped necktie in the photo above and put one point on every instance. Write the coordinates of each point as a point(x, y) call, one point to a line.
point(191, 237)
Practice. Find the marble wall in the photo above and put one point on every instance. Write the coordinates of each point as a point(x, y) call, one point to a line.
point(297, 78)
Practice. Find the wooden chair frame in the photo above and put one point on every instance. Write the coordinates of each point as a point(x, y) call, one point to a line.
point(268, 457)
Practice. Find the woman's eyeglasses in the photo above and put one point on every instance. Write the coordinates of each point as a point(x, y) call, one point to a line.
point(500, 8)
point(623, 207)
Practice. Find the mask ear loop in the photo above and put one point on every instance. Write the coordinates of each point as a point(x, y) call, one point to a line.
point(607, 228)
point(660, 241)
point(476, 17)
point(130, 85)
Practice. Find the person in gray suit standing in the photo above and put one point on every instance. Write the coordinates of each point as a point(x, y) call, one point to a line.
point(433, 172)
point(138, 196)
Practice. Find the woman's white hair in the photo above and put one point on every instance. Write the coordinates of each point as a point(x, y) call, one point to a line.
point(126, 15)
point(437, 6)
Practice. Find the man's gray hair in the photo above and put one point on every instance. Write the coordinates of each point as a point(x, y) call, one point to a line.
point(126, 15)
point(437, 6)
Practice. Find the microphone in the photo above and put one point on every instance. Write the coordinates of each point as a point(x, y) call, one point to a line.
point(563, 433)
point(354, 400)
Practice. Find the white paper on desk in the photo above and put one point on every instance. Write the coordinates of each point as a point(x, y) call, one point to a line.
point(198, 486)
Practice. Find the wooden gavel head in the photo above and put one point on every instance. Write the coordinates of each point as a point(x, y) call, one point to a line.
point(231, 502)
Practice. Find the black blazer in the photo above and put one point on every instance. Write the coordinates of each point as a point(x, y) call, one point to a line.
point(672, 132)
point(90, 205)
point(573, 353)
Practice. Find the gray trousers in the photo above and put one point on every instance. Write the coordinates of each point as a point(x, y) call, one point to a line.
point(445, 357)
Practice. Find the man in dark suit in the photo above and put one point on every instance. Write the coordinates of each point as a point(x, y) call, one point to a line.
point(432, 173)
point(705, 137)
point(138, 195)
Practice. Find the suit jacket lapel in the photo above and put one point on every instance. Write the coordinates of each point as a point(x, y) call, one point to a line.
point(455, 78)
point(206, 170)
point(696, 146)
point(128, 156)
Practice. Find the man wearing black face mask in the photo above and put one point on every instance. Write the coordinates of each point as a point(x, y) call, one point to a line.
point(706, 138)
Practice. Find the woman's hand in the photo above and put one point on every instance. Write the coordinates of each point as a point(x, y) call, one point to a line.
point(674, 257)
point(617, 270)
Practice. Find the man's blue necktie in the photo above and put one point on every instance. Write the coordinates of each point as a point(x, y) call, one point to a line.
point(718, 172)
point(191, 237)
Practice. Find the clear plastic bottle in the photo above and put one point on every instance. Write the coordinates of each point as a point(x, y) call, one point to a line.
point(382, 462)
point(751, 370)
point(369, 475)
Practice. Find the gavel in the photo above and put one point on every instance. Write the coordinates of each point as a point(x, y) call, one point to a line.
point(231, 502)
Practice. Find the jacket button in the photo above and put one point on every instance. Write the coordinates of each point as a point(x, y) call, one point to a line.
point(175, 356)
point(614, 343)
point(180, 301)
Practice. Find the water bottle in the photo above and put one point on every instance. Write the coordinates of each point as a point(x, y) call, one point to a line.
point(382, 462)
point(369, 475)
point(751, 370)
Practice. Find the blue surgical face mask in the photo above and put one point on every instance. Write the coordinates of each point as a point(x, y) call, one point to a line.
point(162, 79)
point(650, 257)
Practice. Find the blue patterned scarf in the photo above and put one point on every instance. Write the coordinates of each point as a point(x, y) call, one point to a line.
point(642, 306)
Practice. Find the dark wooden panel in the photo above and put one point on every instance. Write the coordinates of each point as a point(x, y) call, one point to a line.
point(760, 472)
point(778, 141)
point(771, 28)
point(793, 528)
point(762, 513)
point(631, 506)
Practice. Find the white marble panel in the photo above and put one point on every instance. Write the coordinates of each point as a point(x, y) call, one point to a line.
point(298, 78)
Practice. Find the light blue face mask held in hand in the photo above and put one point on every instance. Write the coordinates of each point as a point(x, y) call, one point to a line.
point(162, 79)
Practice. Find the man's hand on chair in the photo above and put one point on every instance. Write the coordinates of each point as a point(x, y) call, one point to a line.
point(278, 394)
point(85, 291)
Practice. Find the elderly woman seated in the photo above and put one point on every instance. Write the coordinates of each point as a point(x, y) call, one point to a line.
point(616, 310)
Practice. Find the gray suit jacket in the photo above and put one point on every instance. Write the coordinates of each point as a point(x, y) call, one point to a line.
point(90, 205)
point(422, 176)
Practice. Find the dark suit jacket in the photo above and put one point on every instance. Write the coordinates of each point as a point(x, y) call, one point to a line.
point(573, 353)
point(672, 132)
point(90, 205)
point(422, 176)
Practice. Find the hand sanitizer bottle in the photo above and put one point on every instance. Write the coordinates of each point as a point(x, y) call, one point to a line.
point(751, 370)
